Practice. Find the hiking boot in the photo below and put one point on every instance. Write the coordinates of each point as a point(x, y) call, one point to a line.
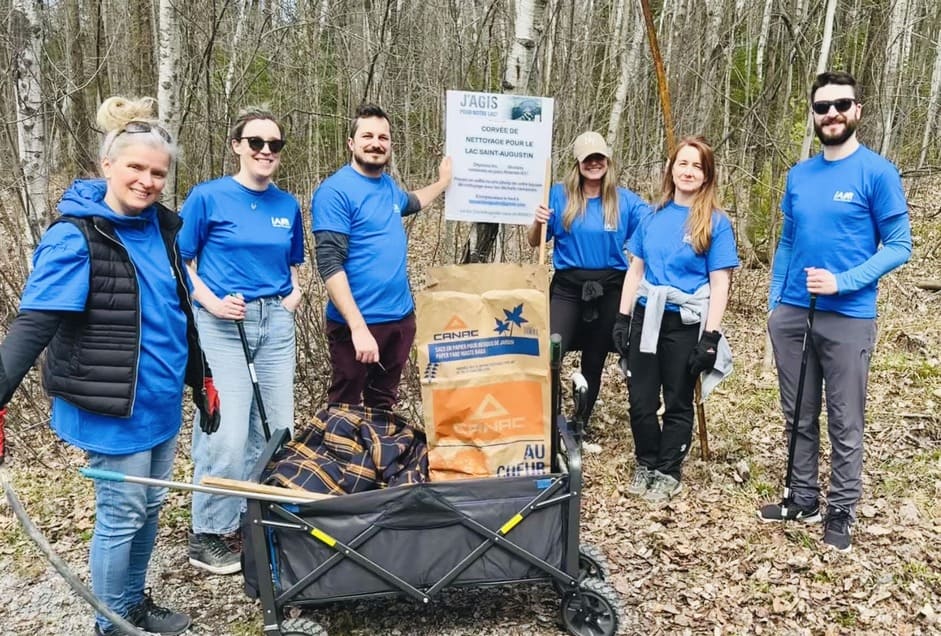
point(209, 552)
point(642, 479)
point(836, 529)
point(788, 510)
point(662, 488)
point(150, 617)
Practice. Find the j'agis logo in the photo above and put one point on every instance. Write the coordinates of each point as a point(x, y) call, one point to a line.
point(843, 197)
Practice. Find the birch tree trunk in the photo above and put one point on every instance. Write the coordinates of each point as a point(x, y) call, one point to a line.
point(168, 82)
point(482, 243)
point(894, 56)
point(241, 18)
point(763, 42)
point(30, 128)
point(822, 61)
point(933, 102)
point(630, 71)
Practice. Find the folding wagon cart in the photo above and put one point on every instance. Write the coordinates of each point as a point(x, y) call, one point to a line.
point(418, 540)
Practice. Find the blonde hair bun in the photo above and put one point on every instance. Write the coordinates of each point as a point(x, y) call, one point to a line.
point(115, 112)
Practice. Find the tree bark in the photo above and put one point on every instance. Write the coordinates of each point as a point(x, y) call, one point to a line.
point(168, 83)
point(30, 125)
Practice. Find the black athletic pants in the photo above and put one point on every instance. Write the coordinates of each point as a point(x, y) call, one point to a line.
point(567, 313)
point(662, 449)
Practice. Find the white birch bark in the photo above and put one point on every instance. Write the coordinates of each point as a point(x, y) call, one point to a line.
point(630, 71)
point(763, 42)
point(894, 55)
point(934, 97)
point(822, 61)
point(520, 62)
point(30, 127)
point(241, 18)
point(168, 82)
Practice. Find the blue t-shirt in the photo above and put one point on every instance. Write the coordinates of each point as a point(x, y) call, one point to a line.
point(368, 211)
point(244, 241)
point(663, 241)
point(589, 243)
point(59, 282)
point(836, 214)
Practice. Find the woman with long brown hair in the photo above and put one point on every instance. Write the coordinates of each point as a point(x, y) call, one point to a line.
point(674, 296)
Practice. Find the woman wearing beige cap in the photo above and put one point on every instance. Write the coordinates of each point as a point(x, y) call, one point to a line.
point(591, 219)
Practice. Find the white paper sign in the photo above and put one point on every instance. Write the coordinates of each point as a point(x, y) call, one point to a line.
point(500, 146)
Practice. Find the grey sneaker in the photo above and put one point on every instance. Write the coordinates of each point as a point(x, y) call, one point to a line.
point(662, 488)
point(642, 478)
point(211, 553)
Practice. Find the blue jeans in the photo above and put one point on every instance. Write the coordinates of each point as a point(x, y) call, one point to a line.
point(126, 525)
point(233, 450)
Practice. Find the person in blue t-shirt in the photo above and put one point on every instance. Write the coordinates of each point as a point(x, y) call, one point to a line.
point(674, 297)
point(243, 240)
point(591, 219)
point(109, 296)
point(845, 226)
point(361, 252)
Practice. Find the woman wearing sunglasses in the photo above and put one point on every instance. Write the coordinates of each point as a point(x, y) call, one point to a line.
point(243, 241)
point(590, 218)
point(674, 297)
point(108, 298)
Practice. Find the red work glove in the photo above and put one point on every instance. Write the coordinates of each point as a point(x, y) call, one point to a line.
point(207, 401)
point(3, 422)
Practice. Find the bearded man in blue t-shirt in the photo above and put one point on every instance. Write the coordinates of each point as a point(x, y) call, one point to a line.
point(361, 257)
point(845, 226)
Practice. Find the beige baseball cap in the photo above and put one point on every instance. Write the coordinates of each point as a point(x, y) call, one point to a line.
point(590, 143)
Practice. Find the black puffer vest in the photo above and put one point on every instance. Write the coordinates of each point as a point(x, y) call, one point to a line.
point(92, 360)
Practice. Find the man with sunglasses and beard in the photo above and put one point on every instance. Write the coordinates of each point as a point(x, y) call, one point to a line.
point(845, 225)
point(361, 257)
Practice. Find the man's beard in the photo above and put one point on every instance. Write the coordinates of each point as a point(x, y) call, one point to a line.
point(368, 164)
point(849, 127)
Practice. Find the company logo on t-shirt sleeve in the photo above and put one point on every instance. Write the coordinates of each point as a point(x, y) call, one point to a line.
point(281, 221)
point(845, 197)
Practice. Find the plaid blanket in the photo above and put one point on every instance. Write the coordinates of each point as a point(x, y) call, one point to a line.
point(347, 449)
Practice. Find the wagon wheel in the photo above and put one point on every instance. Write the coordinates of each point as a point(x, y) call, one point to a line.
point(594, 610)
point(592, 563)
point(302, 627)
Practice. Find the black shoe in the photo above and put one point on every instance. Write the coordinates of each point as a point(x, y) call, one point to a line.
point(788, 510)
point(836, 529)
point(211, 553)
point(150, 617)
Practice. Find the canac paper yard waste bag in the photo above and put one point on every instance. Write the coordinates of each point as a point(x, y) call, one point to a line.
point(483, 352)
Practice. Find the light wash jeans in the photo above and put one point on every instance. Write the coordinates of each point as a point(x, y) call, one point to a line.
point(233, 450)
point(126, 525)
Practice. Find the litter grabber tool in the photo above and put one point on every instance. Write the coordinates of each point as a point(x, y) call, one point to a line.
point(701, 419)
point(798, 399)
point(215, 486)
point(256, 389)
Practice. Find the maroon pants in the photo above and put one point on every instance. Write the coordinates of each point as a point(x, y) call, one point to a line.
point(374, 385)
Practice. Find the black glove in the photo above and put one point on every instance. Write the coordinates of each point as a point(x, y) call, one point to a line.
point(621, 334)
point(207, 401)
point(703, 357)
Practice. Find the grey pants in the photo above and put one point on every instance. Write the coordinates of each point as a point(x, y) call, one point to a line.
point(838, 362)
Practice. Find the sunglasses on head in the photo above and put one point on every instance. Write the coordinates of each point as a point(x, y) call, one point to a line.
point(138, 127)
point(257, 144)
point(842, 105)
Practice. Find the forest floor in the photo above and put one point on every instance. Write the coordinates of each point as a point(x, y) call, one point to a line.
point(701, 565)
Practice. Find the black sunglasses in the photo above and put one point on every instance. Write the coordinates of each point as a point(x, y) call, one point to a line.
point(257, 144)
point(842, 105)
